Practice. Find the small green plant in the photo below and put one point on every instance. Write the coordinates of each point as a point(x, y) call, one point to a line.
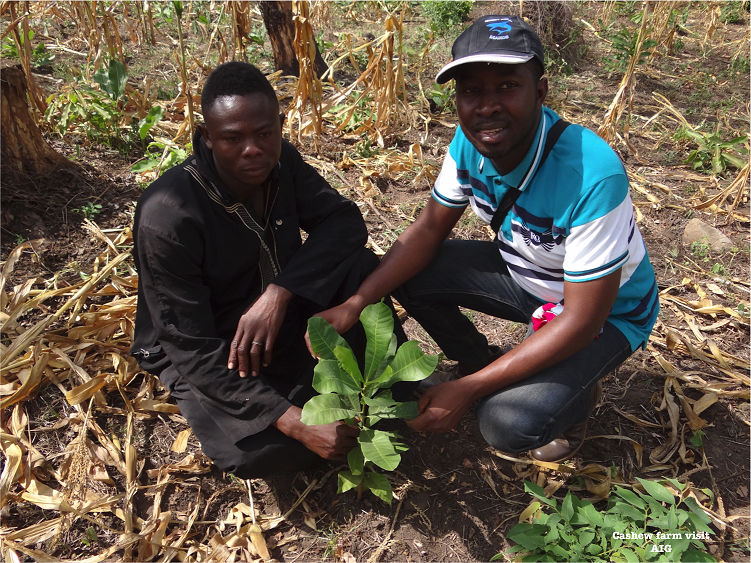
point(623, 44)
point(89, 210)
point(152, 118)
point(445, 15)
point(97, 114)
point(733, 12)
point(89, 536)
point(350, 116)
point(713, 154)
point(441, 98)
point(365, 148)
point(648, 525)
point(160, 156)
point(718, 269)
point(40, 55)
point(700, 249)
point(363, 398)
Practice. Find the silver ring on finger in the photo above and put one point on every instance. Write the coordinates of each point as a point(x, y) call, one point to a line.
point(258, 342)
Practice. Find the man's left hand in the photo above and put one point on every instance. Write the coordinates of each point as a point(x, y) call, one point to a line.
point(441, 407)
point(253, 343)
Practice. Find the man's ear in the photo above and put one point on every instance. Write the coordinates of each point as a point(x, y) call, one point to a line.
point(282, 117)
point(542, 89)
point(204, 131)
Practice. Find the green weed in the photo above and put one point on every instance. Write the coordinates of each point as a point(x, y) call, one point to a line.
point(89, 210)
point(713, 154)
point(90, 536)
point(441, 98)
point(733, 12)
point(700, 249)
point(648, 525)
point(40, 55)
point(623, 45)
point(444, 16)
point(160, 156)
point(718, 269)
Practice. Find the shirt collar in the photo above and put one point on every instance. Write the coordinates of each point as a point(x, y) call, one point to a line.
point(520, 176)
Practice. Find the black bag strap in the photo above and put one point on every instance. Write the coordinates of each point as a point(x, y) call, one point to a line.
point(512, 193)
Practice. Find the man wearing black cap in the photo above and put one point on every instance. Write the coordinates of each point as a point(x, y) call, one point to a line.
point(572, 262)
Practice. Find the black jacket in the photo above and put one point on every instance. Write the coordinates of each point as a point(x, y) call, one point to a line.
point(203, 258)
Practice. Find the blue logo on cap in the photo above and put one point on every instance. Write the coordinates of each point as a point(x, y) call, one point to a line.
point(498, 28)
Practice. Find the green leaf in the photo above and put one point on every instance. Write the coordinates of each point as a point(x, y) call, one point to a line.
point(325, 409)
point(382, 405)
point(323, 338)
point(693, 554)
point(348, 362)
point(590, 514)
point(407, 410)
point(347, 480)
point(411, 364)
point(529, 536)
point(537, 492)
point(329, 378)
point(628, 555)
point(657, 491)
point(113, 80)
point(377, 447)
point(701, 518)
point(152, 118)
point(356, 461)
point(378, 322)
point(567, 507)
point(626, 510)
point(379, 485)
point(586, 537)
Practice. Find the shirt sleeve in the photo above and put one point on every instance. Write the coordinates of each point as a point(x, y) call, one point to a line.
point(180, 312)
point(601, 232)
point(335, 231)
point(452, 187)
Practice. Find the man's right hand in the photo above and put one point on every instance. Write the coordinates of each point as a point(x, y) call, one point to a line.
point(329, 441)
point(342, 318)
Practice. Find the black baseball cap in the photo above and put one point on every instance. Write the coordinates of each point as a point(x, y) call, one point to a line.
point(494, 39)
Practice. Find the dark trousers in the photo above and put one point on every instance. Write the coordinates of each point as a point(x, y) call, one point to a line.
point(531, 412)
point(270, 452)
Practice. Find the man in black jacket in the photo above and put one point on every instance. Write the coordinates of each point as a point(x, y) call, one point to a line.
point(226, 284)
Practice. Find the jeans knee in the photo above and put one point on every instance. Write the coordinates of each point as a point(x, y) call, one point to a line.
point(509, 429)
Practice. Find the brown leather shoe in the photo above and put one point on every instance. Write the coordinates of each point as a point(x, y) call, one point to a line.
point(569, 443)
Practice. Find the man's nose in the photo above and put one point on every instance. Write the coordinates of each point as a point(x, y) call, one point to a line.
point(488, 104)
point(251, 148)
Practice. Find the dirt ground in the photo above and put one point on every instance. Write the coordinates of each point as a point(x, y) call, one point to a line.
point(455, 497)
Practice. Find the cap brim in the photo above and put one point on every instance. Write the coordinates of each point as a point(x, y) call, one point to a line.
point(448, 71)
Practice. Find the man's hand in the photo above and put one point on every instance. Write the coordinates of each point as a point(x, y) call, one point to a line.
point(342, 318)
point(329, 441)
point(253, 343)
point(442, 407)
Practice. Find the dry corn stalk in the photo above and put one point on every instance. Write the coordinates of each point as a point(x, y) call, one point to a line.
point(623, 100)
point(383, 89)
point(309, 92)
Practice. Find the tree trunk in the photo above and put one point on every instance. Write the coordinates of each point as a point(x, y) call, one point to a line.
point(277, 17)
point(23, 150)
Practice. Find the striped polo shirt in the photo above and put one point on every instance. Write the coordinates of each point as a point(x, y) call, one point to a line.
point(573, 221)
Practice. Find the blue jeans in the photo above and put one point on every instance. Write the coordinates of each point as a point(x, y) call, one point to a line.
point(531, 412)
